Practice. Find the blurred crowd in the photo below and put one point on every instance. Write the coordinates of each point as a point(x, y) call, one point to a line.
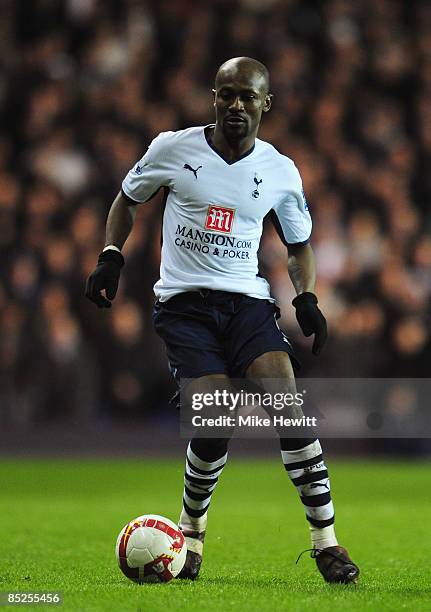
point(84, 87)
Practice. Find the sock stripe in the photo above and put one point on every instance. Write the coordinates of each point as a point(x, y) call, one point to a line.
point(309, 478)
point(201, 481)
point(198, 489)
point(206, 466)
point(315, 501)
point(218, 470)
point(321, 513)
point(196, 504)
point(301, 454)
point(320, 523)
point(196, 496)
point(298, 465)
point(192, 512)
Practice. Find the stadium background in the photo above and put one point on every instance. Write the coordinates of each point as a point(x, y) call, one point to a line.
point(86, 85)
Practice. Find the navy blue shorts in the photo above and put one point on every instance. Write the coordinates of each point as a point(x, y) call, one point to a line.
point(215, 332)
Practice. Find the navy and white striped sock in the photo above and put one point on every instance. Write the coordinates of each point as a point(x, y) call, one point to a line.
point(308, 472)
point(200, 479)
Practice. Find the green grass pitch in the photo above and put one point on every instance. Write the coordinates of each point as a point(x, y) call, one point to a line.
point(60, 519)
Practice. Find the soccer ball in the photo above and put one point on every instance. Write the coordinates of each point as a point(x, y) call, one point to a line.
point(151, 548)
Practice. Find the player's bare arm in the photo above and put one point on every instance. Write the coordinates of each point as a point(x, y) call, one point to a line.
point(302, 271)
point(302, 268)
point(107, 273)
point(120, 222)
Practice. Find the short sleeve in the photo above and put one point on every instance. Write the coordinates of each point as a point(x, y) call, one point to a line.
point(291, 215)
point(150, 173)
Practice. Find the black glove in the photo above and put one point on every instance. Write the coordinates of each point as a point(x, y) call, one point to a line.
point(105, 276)
point(311, 320)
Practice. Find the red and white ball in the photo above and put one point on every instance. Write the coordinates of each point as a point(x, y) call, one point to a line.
point(151, 548)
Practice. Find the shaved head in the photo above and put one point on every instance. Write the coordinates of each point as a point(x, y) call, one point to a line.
point(241, 95)
point(245, 67)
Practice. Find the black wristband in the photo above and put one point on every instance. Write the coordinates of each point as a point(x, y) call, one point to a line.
point(304, 298)
point(111, 255)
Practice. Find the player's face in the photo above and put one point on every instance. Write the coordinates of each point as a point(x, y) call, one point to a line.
point(240, 100)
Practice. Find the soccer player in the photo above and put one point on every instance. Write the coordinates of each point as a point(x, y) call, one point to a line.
point(214, 311)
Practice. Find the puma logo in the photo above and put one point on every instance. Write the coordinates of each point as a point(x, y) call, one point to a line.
point(195, 172)
point(315, 485)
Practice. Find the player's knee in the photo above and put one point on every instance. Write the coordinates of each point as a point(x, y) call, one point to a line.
point(274, 364)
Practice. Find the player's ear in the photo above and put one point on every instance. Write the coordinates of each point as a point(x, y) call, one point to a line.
point(214, 95)
point(267, 103)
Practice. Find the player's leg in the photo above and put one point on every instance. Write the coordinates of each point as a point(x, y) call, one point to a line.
point(304, 463)
point(205, 460)
point(302, 457)
point(196, 357)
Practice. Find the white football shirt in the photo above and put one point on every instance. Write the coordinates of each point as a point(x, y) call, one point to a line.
point(213, 220)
